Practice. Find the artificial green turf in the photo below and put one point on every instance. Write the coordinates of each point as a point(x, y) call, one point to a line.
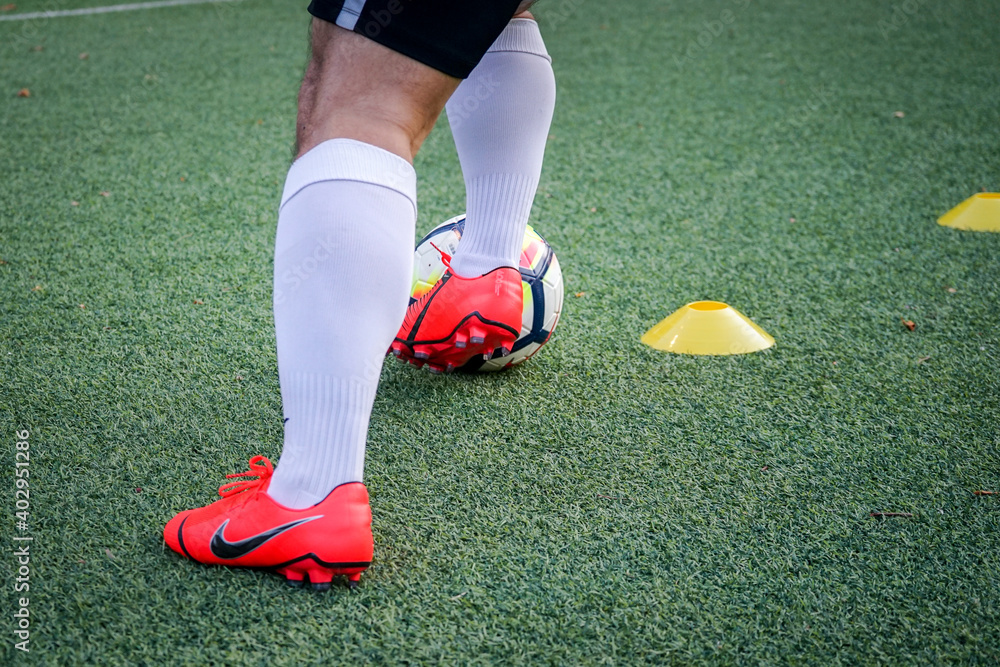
point(604, 503)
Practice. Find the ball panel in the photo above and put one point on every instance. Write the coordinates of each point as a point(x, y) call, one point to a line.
point(427, 265)
point(534, 253)
point(553, 285)
point(528, 314)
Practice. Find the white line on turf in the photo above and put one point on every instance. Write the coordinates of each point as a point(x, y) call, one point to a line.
point(105, 10)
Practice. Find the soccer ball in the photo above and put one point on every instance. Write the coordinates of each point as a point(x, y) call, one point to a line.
point(541, 279)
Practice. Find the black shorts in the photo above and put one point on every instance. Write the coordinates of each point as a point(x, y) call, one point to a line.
point(448, 35)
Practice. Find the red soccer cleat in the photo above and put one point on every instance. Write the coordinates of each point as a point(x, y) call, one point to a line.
point(461, 318)
point(248, 529)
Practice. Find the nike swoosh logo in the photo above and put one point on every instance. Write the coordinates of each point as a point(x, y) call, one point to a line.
point(226, 550)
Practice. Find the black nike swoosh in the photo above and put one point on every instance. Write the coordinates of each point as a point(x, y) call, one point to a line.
point(223, 548)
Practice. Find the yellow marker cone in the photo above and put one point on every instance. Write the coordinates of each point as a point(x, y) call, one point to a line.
point(707, 327)
point(979, 213)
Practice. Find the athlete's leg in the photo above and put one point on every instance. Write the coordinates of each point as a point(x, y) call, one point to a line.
point(344, 249)
point(342, 267)
point(355, 88)
point(343, 254)
point(500, 118)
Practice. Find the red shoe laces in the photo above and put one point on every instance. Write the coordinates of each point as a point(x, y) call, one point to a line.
point(260, 467)
point(445, 257)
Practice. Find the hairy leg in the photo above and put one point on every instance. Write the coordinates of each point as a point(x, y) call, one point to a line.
point(355, 88)
point(306, 103)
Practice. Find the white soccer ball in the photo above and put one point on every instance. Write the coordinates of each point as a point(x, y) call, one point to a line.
point(541, 279)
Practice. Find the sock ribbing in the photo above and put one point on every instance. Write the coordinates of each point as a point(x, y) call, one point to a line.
point(347, 407)
point(521, 36)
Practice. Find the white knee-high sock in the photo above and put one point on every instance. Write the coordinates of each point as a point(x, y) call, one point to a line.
point(500, 118)
point(343, 259)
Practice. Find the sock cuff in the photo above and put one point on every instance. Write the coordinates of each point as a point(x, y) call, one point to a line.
point(350, 160)
point(521, 36)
